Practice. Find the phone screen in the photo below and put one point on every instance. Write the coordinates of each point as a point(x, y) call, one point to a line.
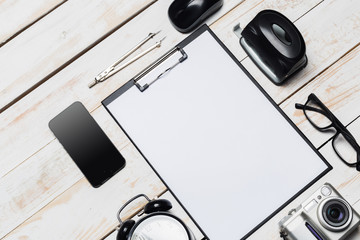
point(87, 144)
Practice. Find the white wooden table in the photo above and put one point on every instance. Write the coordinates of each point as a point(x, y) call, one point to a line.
point(50, 50)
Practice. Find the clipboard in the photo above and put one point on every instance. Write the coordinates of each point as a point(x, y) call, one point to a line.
point(221, 145)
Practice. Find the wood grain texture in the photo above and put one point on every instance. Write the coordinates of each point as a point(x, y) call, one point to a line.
point(16, 15)
point(106, 11)
point(24, 126)
point(55, 95)
point(34, 109)
point(329, 33)
point(43, 177)
point(56, 39)
point(338, 88)
point(70, 85)
point(84, 212)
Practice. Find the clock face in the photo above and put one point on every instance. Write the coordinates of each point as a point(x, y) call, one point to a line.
point(160, 227)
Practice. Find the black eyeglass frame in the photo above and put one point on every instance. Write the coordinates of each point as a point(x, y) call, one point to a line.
point(335, 123)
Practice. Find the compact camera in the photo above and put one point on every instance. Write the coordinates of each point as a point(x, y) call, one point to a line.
point(323, 216)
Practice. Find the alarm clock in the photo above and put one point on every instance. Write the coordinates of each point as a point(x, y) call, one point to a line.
point(157, 223)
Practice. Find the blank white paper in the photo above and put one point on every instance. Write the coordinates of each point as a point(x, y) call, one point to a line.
point(223, 149)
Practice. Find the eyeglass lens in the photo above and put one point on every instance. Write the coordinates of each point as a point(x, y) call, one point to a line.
point(344, 149)
point(316, 117)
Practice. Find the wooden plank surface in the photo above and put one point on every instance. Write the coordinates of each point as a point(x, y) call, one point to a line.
point(78, 38)
point(83, 212)
point(43, 177)
point(17, 15)
point(69, 85)
point(58, 95)
point(33, 109)
point(56, 40)
point(39, 183)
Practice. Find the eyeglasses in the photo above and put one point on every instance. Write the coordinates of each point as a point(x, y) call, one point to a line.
point(343, 142)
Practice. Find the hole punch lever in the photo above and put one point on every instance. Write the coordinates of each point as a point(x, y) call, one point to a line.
point(237, 30)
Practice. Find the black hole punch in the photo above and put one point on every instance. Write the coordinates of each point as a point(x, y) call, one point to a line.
point(281, 34)
point(253, 30)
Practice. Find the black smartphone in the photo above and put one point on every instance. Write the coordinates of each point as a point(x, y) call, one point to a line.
point(87, 144)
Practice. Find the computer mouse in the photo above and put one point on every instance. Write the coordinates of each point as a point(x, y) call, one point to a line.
point(185, 15)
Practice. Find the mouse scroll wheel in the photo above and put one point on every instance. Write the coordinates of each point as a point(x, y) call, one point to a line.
point(281, 34)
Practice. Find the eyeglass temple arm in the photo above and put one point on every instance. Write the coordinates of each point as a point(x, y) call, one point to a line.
point(305, 107)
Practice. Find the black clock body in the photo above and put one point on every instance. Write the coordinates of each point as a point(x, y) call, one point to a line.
point(157, 223)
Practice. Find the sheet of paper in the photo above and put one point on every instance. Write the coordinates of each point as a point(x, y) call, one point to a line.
point(220, 145)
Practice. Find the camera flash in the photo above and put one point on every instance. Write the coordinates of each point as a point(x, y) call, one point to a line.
point(325, 191)
point(310, 205)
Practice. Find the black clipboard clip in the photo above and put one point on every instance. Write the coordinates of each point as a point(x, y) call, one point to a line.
point(143, 87)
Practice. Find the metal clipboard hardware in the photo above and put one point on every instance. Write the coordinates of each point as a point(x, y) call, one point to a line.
point(138, 77)
point(112, 69)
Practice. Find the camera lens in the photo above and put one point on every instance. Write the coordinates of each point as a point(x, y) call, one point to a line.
point(335, 213)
